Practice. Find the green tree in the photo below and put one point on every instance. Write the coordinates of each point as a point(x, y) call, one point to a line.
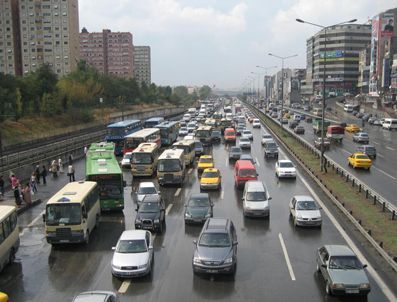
point(205, 92)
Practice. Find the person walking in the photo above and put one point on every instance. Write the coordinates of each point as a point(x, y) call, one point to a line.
point(15, 188)
point(70, 159)
point(44, 174)
point(60, 165)
point(71, 173)
point(37, 173)
point(26, 194)
point(1, 187)
point(33, 183)
point(54, 168)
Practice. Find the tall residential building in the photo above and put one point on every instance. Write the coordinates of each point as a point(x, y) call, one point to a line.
point(343, 44)
point(108, 52)
point(49, 33)
point(142, 68)
point(10, 50)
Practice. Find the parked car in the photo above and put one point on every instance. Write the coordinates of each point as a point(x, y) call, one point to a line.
point(235, 153)
point(366, 117)
point(377, 122)
point(215, 251)
point(342, 271)
point(244, 142)
point(318, 142)
point(126, 161)
point(361, 137)
point(255, 199)
point(359, 160)
point(198, 208)
point(151, 214)
point(367, 149)
point(285, 169)
point(133, 254)
point(371, 120)
point(304, 211)
point(299, 129)
point(360, 114)
point(270, 149)
point(145, 188)
point(94, 296)
point(309, 119)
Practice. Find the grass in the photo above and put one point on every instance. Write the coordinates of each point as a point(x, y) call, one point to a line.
point(383, 229)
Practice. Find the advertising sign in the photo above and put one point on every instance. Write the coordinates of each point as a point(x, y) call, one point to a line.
point(387, 26)
point(333, 54)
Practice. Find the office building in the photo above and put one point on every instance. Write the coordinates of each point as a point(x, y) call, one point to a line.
point(142, 64)
point(363, 69)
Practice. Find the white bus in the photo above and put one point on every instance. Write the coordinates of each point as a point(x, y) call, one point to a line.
point(9, 235)
point(171, 167)
point(144, 159)
point(147, 135)
point(187, 145)
point(72, 213)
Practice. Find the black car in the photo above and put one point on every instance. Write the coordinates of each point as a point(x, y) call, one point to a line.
point(151, 214)
point(299, 130)
point(216, 136)
point(198, 208)
point(293, 124)
point(270, 149)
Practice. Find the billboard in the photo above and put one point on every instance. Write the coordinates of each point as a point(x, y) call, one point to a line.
point(333, 54)
point(387, 25)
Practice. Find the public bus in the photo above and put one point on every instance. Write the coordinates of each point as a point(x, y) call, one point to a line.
point(153, 121)
point(203, 134)
point(116, 133)
point(72, 213)
point(144, 159)
point(171, 167)
point(9, 235)
point(146, 135)
point(188, 147)
point(103, 167)
point(168, 132)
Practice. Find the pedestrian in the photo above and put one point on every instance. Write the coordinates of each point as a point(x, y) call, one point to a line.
point(37, 173)
point(54, 168)
point(60, 165)
point(15, 188)
point(71, 173)
point(44, 174)
point(33, 182)
point(26, 194)
point(1, 187)
point(70, 159)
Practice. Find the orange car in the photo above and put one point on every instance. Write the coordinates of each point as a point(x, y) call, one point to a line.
point(229, 135)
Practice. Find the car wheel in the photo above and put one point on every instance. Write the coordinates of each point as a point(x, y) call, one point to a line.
point(328, 288)
point(11, 257)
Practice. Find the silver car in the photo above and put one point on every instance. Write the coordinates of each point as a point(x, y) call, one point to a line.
point(304, 211)
point(133, 255)
point(145, 188)
point(343, 272)
point(96, 296)
point(361, 137)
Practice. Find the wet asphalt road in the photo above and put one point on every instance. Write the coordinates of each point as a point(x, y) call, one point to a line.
point(44, 273)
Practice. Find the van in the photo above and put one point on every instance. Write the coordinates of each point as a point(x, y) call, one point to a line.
point(255, 199)
point(229, 135)
point(348, 108)
point(389, 123)
point(244, 171)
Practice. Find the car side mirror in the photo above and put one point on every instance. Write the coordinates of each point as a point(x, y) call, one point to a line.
point(113, 248)
point(124, 183)
point(235, 242)
point(195, 241)
point(324, 265)
point(269, 198)
point(365, 265)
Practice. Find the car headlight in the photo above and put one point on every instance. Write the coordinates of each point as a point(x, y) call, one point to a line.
point(156, 221)
point(228, 260)
point(138, 221)
point(364, 286)
point(142, 266)
point(116, 266)
point(188, 214)
point(338, 285)
point(196, 260)
point(299, 217)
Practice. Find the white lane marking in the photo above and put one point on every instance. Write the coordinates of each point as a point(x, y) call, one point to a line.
point(222, 194)
point(291, 271)
point(177, 192)
point(385, 289)
point(226, 162)
point(375, 143)
point(168, 209)
point(380, 155)
point(32, 223)
point(190, 170)
point(385, 173)
point(390, 148)
point(257, 162)
point(124, 286)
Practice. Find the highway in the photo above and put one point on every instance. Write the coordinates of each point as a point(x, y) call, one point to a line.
point(265, 271)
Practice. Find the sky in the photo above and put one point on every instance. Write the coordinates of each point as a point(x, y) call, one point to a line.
point(220, 42)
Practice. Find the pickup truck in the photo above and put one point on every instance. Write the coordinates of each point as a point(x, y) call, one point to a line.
point(317, 126)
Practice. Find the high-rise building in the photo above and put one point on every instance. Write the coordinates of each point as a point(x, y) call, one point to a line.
point(10, 51)
point(363, 69)
point(108, 52)
point(142, 68)
point(343, 44)
point(49, 33)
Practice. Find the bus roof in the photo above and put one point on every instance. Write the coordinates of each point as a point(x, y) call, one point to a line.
point(102, 163)
point(73, 192)
point(142, 132)
point(109, 146)
point(155, 119)
point(123, 124)
point(172, 153)
point(5, 211)
point(184, 142)
point(166, 124)
point(146, 148)
point(204, 128)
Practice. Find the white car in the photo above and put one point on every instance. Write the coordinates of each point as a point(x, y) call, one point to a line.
point(244, 142)
point(285, 168)
point(265, 137)
point(189, 137)
point(187, 117)
point(256, 123)
point(304, 211)
point(145, 188)
point(96, 296)
point(126, 161)
point(183, 131)
point(133, 255)
point(247, 133)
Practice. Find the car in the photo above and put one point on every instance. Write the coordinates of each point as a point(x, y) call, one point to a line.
point(151, 214)
point(93, 296)
point(216, 136)
point(306, 108)
point(304, 211)
point(292, 124)
point(183, 131)
point(4, 297)
point(198, 148)
point(360, 114)
point(126, 161)
point(205, 161)
point(256, 123)
point(255, 199)
point(144, 189)
point(366, 116)
point(239, 130)
point(283, 121)
point(235, 153)
point(359, 160)
point(352, 128)
point(248, 134)
point(318, 142)
point(249, 157)
point(188, 137)
point(361, 137)
point(367, 149)
point(299, 129)
point(133, 254)
point(285, 169)
point(377, 122)
point(342, 271)
point(371, 120)
point(274, 114)
point(244, 142)
point(270, 149)
point(308, 119)
point(198, 208)
point(354, 112)
point(211, 179)
point(215, 250)
point(265, 137)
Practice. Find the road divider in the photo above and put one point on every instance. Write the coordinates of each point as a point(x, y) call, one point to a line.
point(124, 286)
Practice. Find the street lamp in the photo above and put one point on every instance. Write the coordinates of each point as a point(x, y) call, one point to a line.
point(266, 69)
point(258, 74)
point(282, 81)
point(323, 164)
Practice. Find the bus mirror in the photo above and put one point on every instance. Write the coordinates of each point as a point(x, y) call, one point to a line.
point(85, 215)
point(124, 183)
point(43, 217)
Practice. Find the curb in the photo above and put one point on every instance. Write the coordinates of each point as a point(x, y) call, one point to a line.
point(28, 206)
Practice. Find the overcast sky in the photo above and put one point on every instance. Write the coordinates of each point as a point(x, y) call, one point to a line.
point(219, 42)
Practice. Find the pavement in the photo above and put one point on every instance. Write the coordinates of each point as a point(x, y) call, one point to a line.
point(266, 271)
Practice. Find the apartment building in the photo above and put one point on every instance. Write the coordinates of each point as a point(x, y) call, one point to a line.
point(142, 64)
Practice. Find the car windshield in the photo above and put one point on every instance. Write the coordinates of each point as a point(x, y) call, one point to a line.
point(362, 157)
point(210, 174)
point(256, 196)
point(247, 173)
point(127, 156)
point(214, 240)
point(371, 149)
point(183, 129)
point(344, 262)
point(286, 164)
point(363, 134)
point(246, 157)
point(235, 150)
point(271, 145)
point(66, 214)
point(131, 246)
point(169, 165)
point(198, 145)
point(247, 132)
point(149, 207)
point(306, 205)
point(199, 201)
point(266, 136)
point(147, 190)
point(206, 160)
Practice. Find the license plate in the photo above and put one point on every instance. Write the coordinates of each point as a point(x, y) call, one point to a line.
point(64, 241)
point(352, 291)
point(212, 271)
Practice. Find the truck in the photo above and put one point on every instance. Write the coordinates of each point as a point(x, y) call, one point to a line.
point(317, 126)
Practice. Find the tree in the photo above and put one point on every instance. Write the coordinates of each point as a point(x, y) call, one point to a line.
point(205, 92)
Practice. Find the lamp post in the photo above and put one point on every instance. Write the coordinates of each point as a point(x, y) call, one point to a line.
point(323, 163)
point(282, 82)
point(266, 69)
point(258, 74)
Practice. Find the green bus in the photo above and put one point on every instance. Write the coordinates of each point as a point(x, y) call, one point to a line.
point(102, 166)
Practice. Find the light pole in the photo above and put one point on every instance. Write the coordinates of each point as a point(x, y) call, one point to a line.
point(323, 163)
point(266, 69)
point(282, 82)
point(258, 74)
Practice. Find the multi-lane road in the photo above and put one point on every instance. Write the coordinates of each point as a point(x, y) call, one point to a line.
point(265, 271)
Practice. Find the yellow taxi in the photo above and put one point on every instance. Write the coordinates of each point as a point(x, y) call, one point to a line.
point(211, 179)
point(205, 161)
point(359, 160)
point(287, 115)
point(3, 297)
point(352, 128)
